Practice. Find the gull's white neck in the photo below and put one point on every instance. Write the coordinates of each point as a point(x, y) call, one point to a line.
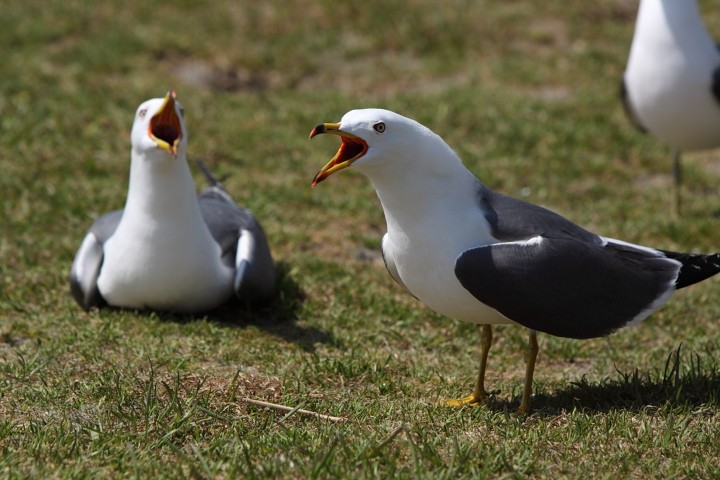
point(162, 191)
point(409, 200)
point(422, 191)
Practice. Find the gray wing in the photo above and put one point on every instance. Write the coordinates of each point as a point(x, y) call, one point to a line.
point(627, 106)
point(88, 261)
point(244, 246)
point(512, 220)
point(568, 287)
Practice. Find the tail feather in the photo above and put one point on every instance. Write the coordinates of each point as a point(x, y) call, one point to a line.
point(695, 267)
point(216, 189)
point(212, 179)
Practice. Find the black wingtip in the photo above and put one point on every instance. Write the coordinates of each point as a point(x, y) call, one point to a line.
point(86, 298)
point(255, 287)
point(695, 268)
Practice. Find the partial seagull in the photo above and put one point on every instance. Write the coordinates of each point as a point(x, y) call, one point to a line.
point(671, 87)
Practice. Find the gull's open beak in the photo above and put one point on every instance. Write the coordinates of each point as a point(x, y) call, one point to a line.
point(351, 149)
point(165, 128)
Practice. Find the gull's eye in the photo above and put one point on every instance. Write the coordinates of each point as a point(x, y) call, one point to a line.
point(141, 113)
point(182, 112)
point(379, 127)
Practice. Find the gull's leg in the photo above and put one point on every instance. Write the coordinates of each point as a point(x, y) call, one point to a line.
point(677, 174)
point(479, 395)
point(530, 357)
point(485, 342)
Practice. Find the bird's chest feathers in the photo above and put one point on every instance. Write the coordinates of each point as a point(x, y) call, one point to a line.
point(432, 219)
point(425, 252)
point(174, 243)
point(164, 260)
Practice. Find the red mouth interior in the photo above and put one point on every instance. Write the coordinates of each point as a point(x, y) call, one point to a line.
point(350, 148)
point(165, 125)
point(166, 132)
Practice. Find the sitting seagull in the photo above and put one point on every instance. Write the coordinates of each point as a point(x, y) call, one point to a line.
point(171, 249)
point(671, 86)
point(476, 255)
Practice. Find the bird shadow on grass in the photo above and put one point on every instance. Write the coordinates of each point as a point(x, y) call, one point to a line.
point(278, 319)
point(686, 381)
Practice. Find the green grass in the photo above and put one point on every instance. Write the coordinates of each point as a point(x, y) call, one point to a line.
point(526, 92)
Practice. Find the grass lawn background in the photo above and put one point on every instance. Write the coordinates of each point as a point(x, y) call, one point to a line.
point(525, 92)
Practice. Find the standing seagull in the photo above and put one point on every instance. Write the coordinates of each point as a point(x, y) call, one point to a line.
point(171, 249)
point(476, 255)
point(671, 86)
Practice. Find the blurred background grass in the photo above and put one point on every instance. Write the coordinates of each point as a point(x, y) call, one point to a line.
point(526, 92)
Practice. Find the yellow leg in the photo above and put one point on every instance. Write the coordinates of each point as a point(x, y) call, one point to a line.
point(530, 357)
point(479, 395)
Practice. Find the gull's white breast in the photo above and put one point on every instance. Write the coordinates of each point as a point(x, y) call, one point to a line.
point(168, 265)
point(425, 255)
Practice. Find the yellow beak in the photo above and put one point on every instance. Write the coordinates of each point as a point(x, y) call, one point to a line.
point(165, 128)
point(351, 148)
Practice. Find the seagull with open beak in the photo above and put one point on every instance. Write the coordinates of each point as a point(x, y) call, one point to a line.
point(480, 256)
point(171, 249)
